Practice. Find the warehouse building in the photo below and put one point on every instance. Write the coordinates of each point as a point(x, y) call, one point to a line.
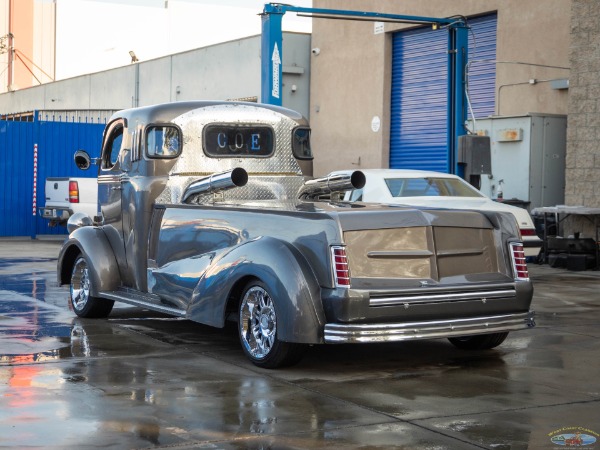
point(534, 67)
point(376, 92)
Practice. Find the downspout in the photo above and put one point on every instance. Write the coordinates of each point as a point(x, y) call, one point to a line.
point(136, 93)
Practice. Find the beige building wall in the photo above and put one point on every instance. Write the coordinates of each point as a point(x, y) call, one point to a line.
point(583, 131)
point(43, 52)
point(32, 24)
point(351, 75)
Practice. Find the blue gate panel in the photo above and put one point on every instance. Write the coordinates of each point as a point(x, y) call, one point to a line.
point(418, 116)
point(16, 176)
point(58, 141)
point(56, 144)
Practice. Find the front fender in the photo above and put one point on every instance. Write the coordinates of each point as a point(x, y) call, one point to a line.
point(289, 279)
point(91, 242)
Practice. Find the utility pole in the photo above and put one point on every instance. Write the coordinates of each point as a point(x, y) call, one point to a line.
point(11, 49)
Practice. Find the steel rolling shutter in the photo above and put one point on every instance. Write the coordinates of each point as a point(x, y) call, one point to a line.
point(418, 121)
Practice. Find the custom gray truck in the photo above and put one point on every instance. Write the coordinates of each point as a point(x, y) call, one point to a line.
point(209, 211)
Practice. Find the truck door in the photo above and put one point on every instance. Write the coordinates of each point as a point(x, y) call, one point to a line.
point(110, 180)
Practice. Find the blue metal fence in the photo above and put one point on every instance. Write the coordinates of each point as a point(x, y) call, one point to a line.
point(57, 138)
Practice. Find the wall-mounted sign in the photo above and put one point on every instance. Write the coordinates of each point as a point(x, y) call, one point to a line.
point(375, 124)
point(276, 60)
point(509, 135)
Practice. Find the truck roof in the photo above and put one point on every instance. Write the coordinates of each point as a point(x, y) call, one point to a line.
point(166, 112)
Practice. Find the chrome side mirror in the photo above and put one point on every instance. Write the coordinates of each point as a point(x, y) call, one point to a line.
point(82, 159)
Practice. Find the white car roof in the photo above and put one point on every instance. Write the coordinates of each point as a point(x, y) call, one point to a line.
point(377, 191)
point(407, 173)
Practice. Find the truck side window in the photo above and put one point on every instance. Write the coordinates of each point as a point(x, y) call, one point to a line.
point(112, 146)
point(116, 147)
point(301, 143)
point(163, 141)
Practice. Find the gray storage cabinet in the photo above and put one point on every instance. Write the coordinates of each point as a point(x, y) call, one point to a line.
point(528, 158)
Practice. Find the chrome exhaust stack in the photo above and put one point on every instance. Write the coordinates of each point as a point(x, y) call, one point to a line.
point(217, 182)
point(334, 182)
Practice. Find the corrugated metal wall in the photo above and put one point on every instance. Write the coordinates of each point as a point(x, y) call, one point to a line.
point(57, 135)
point(420, 92)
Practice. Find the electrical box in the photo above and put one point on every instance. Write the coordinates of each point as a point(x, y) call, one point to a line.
point(475, 153)
point(527, 158)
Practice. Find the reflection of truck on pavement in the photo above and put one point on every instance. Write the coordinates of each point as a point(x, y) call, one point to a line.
point(206, 213)
point(67, 196)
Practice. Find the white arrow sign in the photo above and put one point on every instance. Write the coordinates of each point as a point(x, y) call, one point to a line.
point(276, 63)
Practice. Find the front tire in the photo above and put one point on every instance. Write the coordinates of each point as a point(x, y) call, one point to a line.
point(82, 302)
point(257, 329)
point(479, 342)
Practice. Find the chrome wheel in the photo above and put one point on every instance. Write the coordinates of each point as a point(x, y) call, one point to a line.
point(80, 285)
point(258, 322)
point(80, 290)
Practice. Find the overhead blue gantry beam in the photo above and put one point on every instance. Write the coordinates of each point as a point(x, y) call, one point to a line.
point(272, 51)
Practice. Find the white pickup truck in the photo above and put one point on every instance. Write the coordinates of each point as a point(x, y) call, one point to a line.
point(67, 196)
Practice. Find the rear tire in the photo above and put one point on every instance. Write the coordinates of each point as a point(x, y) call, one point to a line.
point(82, 302)
point(479, 342)
point(257, 329)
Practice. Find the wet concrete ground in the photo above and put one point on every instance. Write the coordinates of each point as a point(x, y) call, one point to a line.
point(141, 380)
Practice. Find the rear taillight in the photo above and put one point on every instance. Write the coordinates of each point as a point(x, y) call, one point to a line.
point(339, 260)
point(527, 232)
point(73, 192)
point(517, 254)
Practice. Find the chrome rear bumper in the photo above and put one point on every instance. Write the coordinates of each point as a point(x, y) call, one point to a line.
point(336, 333)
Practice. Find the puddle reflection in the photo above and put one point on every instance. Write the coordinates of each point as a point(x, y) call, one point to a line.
point(171, 396)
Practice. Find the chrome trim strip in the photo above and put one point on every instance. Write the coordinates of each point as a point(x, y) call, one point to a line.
point(406, 254)
point(462, 252)
point(102, 179)
point(142, 300)
point(336, 333)
point(445, 297)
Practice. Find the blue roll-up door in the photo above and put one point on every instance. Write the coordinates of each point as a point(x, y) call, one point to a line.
point(419, 103)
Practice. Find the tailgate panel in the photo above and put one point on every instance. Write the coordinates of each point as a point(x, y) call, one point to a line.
point(464, 251)
point(420, 252)
point(390, 253)
point(57, 191)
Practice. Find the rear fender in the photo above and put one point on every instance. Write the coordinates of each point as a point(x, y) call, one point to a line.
point(506, 226)
point(283, 269)
point(91, 242)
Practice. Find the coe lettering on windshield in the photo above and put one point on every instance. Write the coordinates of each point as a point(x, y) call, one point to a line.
point(224, 141)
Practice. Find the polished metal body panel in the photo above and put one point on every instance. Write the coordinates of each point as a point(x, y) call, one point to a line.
point(92, 243)
point(174, 237)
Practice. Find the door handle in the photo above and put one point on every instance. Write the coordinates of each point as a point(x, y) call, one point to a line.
point(116, 188)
